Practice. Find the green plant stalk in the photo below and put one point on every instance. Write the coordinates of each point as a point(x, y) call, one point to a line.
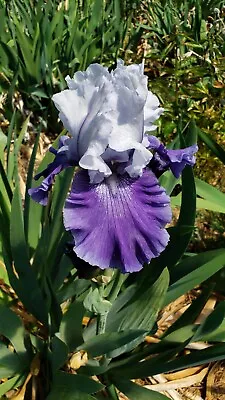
point(101, 323)
point(109, 387)
point(100, 329)
point(103, 33)
point(84, 62)
point(6, 182)
point(118, 281)
point(112, 392)
point(177, 65)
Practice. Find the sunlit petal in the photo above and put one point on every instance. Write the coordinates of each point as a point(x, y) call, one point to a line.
point(119, 222)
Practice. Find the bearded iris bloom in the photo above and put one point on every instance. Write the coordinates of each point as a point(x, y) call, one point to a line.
point(116, 210)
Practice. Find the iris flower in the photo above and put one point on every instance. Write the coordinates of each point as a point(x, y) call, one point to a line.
point(116, 210)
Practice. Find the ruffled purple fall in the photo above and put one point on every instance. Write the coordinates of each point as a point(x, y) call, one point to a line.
point(116, 210)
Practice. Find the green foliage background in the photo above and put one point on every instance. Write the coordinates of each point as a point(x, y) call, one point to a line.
point(40, 43)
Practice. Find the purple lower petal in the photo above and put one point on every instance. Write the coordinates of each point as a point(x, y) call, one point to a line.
point(119, 222)
point(165, 159)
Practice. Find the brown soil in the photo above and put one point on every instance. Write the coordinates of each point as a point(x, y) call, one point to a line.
point(215, 383)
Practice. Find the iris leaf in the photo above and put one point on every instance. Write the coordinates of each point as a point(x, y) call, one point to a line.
point(32, 210)
point(40, 232)
point(75, 288)
point(10, 363)
point(157, 365)
point(140, 311)
point(209, 198)
point(212, 145)
point(57, 229)
point(211, 323)
point(134, 392)
point(59, 353)
point(11, 383)
point(210, 194)
point(12, 328)
point(24, 277)
point(181, 233)
point(113, 344)
point(197, 269)
point(192, 312)
point(73, 387)
point(71, 332)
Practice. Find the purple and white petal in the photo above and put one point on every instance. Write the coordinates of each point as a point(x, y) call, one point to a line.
point(61, 157)
point(180, 158)
point(40, 193)
point(106, 111)
point(83, 114)
point(61, 161)
point(165, 159)
point(118, 223)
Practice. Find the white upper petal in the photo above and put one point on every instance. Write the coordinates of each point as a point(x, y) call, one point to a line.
point(106, 115)
point(93, 76)
point(73, 110)
point(152, 112)
point(140, 159)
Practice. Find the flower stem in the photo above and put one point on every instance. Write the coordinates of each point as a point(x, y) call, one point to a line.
point(101, 323)
point(110, 389)
point(117, 283)
point(112, 392)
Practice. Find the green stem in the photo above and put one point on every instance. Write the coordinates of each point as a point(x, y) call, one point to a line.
point(117, 283)
point(110, 389)
point(101, 323)
point(103, 29)
point(112, 392)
